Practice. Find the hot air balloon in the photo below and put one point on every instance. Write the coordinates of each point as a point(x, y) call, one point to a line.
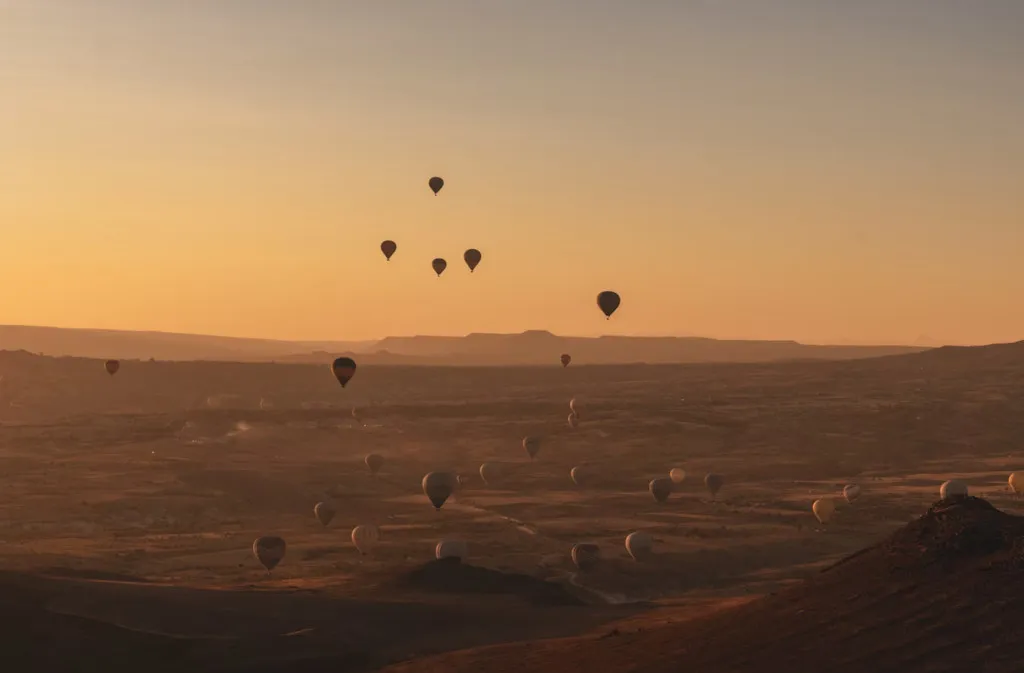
point(388, 248)
point(112, 366)
point(660, 488)
point(608, 301)
point(439, 266)
point(472, 258)
point(461, 480)
point(324, 512)
point(954, 489)
point(438, 486)
point(574, 421)
point(365, 538)
point(269, 550)
point(677, 475)
point(851, 492)
point(532, 446)
point(639, 545)
point(374, 461)
point(566, 359)
point(714, 483)
point(579, 475)
point(456, 549)
point(1016, 483)
point(585, 555)
point(344, 369)
point(823, 509)
point(435, 184)
point(490, 473)
point(573, 406)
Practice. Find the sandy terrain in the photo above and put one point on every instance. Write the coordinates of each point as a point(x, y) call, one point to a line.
point(129, 504)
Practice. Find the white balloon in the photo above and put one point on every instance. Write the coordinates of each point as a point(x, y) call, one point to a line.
point(451, 549)
point(954, 489)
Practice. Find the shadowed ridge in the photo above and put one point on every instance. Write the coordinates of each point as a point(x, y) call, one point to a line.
point(40, 640)
point(943, 593)
point(449, 575)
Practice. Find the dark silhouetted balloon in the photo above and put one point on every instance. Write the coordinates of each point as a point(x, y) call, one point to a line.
point(388, 248)
point(374, 461)
point(436, 184)
point(586, 556)
point(269, 550)
point(439, 266)
point(608, 301)
point(437, 486)
point(714, 483)
point(344, 369)
point(639, 545)
point(566, 359)
point(532, 446)
point(472, 257)
point(112, 366)
point(324, 512)
point(660, 488)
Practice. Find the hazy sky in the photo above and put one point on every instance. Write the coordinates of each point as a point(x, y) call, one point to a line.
point(820, 170)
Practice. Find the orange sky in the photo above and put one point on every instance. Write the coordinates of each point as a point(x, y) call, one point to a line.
point(816, 171)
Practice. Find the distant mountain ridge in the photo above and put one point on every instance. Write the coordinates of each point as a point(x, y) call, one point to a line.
point(533, 347)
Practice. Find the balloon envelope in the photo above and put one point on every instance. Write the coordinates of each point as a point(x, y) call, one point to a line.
point(851, 492)
point(269, 550)
point(1016, 483)
point(374, 461)
point(436, 184)
point(388, 248)
point(660, 488)
point(439, 266)
point(438, 486)
point(823, 509)
point(574, 420)
point(579, 475)
point(112, 366)
point(566, 359)
point(472, 257)
point(532, 446)
point(490, 473)
point(608, 302)
point(714, 483)
point(954, 489)
point(677, 475)
point(585, 555)
point(639, 545)
point(365, 538)
point(344, 369)
point(324, 512)
point(451, 549)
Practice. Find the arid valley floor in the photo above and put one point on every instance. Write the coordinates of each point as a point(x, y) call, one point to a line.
point(129, 505)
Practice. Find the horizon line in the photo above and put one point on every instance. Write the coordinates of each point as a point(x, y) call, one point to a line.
point(837, 342)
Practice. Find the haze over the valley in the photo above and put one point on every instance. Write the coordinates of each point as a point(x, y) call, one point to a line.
point(535, 347)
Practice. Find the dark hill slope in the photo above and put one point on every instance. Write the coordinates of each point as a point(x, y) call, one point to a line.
point(945, 593)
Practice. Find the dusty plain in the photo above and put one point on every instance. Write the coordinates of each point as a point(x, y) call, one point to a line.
point(129, 504)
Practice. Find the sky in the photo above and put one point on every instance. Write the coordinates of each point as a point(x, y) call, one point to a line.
point(818, 170)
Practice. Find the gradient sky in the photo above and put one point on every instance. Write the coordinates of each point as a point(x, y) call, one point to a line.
point(819, 170)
